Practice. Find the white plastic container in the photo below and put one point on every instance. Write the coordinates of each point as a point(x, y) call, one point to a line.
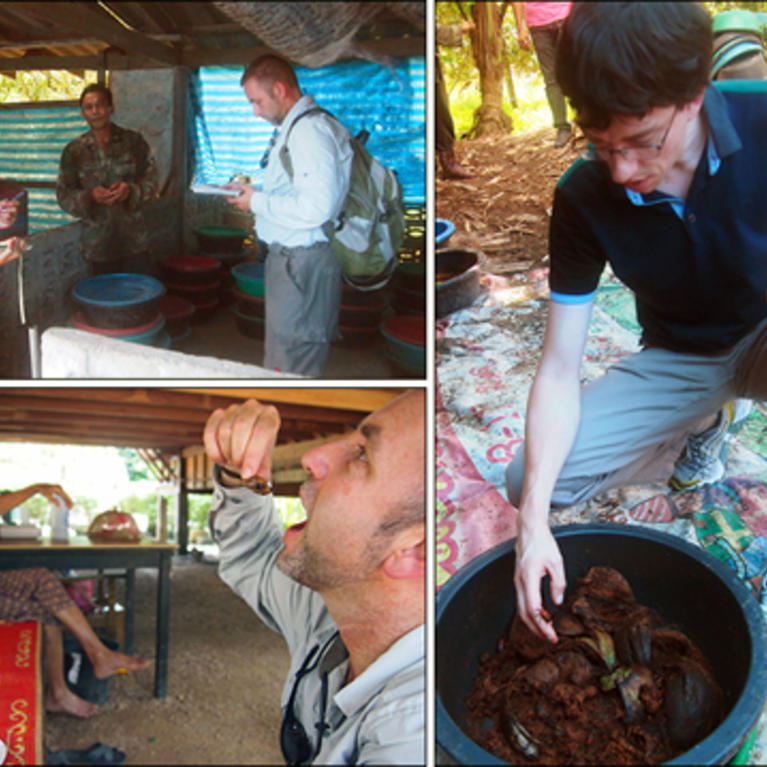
point(59, 520)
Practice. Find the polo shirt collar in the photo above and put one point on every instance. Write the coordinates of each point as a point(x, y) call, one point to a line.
point(406, 651)
point(721, 129)
point(722, 140)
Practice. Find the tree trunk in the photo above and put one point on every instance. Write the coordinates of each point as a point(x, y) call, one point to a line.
point(490, 57)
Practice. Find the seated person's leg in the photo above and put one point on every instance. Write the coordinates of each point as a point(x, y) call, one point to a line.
point(58, 696)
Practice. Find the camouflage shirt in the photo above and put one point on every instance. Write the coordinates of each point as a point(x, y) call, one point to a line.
point(108, 230)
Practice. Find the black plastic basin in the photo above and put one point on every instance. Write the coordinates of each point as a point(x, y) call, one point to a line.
point(457, 280)
point(685, 584)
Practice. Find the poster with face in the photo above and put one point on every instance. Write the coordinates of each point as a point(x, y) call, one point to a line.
point(13, 211)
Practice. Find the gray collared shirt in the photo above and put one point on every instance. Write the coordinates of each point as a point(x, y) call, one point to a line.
point(379, 717)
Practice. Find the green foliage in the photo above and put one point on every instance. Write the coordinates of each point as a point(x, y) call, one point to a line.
point(531, 111)
point(199, 504)
point(48, 85)
point(140, 504)
point(291, 510)
point(136, 466)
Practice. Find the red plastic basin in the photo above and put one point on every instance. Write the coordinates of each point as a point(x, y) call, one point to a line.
point(410, 328)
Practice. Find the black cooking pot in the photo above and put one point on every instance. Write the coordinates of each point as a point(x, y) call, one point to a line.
point(685, 584)
point(457, 280)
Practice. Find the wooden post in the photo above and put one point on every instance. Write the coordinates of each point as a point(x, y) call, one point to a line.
point(182, 510)
point(162, 519)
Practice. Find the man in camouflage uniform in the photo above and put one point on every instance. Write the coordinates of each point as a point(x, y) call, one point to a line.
point(105, 177)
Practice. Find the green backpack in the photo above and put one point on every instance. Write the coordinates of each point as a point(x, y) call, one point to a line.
point(367, 235)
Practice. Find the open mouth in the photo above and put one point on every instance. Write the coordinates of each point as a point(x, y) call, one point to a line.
point(293, 531)
point(640, 185)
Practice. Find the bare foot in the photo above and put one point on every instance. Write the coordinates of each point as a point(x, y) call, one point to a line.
point(66, 701)
point(109, 662)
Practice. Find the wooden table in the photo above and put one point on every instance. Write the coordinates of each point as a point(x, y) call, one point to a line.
point(81, 553)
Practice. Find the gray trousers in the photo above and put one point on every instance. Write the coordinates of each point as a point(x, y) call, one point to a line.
point(303, 298)
point(636, 418)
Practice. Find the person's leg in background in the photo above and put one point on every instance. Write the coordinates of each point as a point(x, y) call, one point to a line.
point(545, 41)
point(445, 129)
point(36, 594)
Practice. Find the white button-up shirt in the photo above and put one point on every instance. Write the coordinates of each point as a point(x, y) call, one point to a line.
point(292, 213)
point(379, 717)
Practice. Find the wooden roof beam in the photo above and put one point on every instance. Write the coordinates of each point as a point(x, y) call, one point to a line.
point(78, 16)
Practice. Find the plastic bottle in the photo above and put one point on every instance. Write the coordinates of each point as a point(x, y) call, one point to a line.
point(59, 519)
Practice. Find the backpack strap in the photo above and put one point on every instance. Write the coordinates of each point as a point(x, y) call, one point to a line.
point(287, 163)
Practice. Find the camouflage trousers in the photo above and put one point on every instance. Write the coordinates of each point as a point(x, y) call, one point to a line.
point(116, 237)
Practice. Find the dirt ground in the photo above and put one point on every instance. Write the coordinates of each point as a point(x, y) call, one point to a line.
point(226, 672)
point(503, 212)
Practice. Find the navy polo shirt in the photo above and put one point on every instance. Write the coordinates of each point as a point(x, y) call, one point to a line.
point(699, 273)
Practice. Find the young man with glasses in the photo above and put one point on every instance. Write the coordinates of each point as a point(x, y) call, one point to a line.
point(671, 192)
point(345, 587)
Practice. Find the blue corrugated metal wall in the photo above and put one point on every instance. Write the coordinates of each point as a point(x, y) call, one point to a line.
point(389, 103)
point(31, 142)
point(227, 139)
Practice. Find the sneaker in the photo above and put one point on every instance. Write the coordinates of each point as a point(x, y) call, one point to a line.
point(702, 460)
point(563, 136)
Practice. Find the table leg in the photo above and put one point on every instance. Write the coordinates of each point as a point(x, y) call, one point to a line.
point(130, 608)
point(163, 626)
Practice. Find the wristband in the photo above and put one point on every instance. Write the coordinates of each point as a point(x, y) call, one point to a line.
point(257, 484)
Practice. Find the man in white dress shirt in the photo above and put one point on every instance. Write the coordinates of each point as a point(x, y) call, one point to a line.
point(303, 278)
point(345, 588)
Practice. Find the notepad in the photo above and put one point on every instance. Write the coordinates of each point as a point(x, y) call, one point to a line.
point(212, 189)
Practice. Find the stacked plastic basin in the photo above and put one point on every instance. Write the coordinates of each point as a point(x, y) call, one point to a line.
point(360, 315)
point(444, 229)
point(408, 286)
point(195, 279)
point(227, 245)
point(179, 314)
point(249, 298)
point(405, 338)
point(123, 305)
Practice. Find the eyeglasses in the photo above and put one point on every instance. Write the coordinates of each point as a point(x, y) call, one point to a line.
point(640, 152)
point(294, 742)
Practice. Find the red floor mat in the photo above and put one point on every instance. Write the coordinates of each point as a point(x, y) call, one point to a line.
point(21, 692)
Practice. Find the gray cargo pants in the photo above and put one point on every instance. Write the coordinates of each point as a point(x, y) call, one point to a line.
point(303, 298)
point(636, 418)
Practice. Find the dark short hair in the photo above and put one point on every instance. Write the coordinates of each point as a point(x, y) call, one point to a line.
point(96, 88)
point(628, 58)
point(269, 69)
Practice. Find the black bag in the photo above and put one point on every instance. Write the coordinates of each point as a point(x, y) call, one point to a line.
point(78, 671)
